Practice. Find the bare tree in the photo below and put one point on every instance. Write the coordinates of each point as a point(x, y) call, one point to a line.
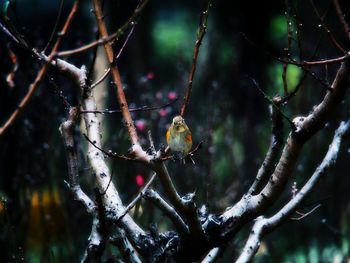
point(198, 234)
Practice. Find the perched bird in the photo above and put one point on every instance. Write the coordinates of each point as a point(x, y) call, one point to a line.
point(179, 139)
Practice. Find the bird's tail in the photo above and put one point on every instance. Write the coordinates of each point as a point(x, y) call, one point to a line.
point(188, 160)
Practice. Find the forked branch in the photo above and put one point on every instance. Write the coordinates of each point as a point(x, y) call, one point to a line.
point(265, 225)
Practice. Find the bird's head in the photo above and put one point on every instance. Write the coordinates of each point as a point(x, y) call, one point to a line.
point(179, 123)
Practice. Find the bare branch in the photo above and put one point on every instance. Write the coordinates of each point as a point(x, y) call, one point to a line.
point(184, 205)
point(212, 256)
point(54, 30)
point(104, 76)
point(109, 152)
point(67, 132)
point(342, 19)
point(32, 88)
point(106, 39)
point(143, 108)
point(326, 29)
point(305, 128)
point(264, 225)
point(168, 210)
point(303, 215)
point(125, 248)
point(200, 35)
point(95, 244)
point(137, 198)
point(116, 75)
point(276, 143)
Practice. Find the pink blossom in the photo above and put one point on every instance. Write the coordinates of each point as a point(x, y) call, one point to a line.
point(139, 180)
point(150, 75)
point(172, 95)
point(163, 112)
point(140, 125)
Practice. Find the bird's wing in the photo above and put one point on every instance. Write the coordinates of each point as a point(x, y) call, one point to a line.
point(167, 136)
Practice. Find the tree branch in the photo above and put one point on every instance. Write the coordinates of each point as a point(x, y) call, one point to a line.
point(67, 132)
point(251, 205)
point(32, 88)
point(107, 39)
point(116, 75)
point(274, 148)
point(265, 225)
point(202, 29)
point(212, 256)
point(342, 19)
point(168, 210)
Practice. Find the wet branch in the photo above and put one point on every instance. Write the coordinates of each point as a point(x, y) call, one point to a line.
point(264, 225)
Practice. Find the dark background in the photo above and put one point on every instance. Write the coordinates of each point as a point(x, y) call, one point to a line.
point(40, 222)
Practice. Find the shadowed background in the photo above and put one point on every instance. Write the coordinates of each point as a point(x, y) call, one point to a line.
point(40, 222)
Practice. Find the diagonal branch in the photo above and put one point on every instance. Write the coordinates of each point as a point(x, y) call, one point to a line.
point(251, 205)
point(107, 39)
point(274, 149)
point(104, 76)
point(167, 209)
point(341, 18)
point(32, 88)
point(326, 29)
point(200, 35)
point(116, 75)
point(137, 198)
point(264, 225)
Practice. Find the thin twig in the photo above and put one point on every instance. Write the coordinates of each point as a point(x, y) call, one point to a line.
point(298, 30)
point(191, 153)
point(54, 30)
point(59, 93)
point(137, 198)
point(123, 104)
point(288, 48)
point(143, 108)
point(107, 38)
point(109, 152)
point(341, 18)
point(304, 65)
point(103, 77)
point(32, 88)
point(273, 103)
point(326, 30)
point(202, 29)
point(303, 215)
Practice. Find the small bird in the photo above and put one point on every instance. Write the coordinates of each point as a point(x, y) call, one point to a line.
point(179, 139)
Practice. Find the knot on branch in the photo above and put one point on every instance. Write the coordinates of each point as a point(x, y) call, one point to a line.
point(138, 153)
point(298, 123)
point(188, 200)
